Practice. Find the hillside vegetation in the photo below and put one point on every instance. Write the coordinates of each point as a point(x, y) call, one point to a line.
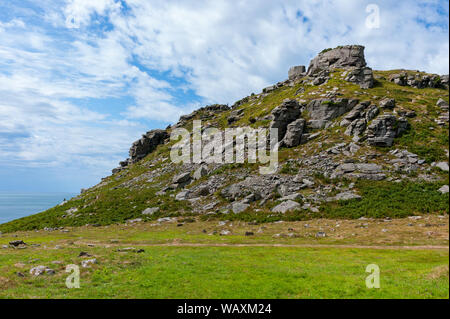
point(384, 155)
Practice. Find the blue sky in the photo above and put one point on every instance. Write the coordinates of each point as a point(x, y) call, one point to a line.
point(80, 80)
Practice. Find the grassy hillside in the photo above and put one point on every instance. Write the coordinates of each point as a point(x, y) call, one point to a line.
point(126, 194)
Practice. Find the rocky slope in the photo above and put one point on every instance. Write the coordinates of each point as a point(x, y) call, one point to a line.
point(353, 142)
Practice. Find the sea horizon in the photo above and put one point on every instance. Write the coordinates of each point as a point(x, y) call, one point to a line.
point(14, 205)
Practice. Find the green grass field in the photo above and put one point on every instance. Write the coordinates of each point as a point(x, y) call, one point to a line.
point(231, 271)
point(240, 272)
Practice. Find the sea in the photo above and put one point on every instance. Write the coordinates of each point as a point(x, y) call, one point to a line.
point(15, 205)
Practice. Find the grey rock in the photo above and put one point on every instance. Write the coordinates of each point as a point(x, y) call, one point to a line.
point(321, 111)
point(165, 219)
point(371, 177)
point(182, 178)
point(319, 80)
point(442, 104)
point(72, 210)
point(40, 270)
point(321, 234)
point(406, 113)
point(17, 243)
point(150, 210)
point(296, 72)
point(355, 113)
point(136, 220)
point(383, 130)
point(235, 115)
point(308, 182)
point(363, 76)
point(269, 89)
point(294, 132)
point(147, 144)
point(387, 103)
point(233, 191)
point(349, 56)
point(356, 128)
point(292, 197)
point(443, 166)
point(346, 196)
point(88, 262)
point(284, 114)
point(239, 207)
point(420, 81)
point(369, 168)
point(285, 207)
point(347, 167)
point(200, 172)
point(372, 112)
point(444, 189)
point(182, 195)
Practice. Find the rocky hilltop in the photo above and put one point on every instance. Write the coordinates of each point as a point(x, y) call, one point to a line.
point(354, 142)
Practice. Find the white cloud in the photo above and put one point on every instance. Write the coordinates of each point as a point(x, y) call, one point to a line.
point(78, 12)
point(229, 48)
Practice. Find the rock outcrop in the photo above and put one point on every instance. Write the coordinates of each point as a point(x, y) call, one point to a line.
point(350, 58)
point(343, 57)
point(420, 80)
point(322, 111)
point(284, 114)
point(387, 103)
point(142, 147)
point(147, 144)
point(383, 130)
point(296, 72)
point(362, 76)
point(294, 133)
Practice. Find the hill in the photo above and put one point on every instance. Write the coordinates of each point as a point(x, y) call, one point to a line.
point(354, 142)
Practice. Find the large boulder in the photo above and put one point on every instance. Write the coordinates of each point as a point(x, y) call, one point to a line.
point(322, 111)
point(343, 57)
point(296, 72)
point(284, 114)
point(348, 57)
point(362, 76)
point(294, 132)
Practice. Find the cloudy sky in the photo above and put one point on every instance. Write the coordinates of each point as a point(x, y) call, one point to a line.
point(80, 80)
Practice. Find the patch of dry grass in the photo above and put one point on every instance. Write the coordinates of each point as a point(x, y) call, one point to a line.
point(438, 273)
